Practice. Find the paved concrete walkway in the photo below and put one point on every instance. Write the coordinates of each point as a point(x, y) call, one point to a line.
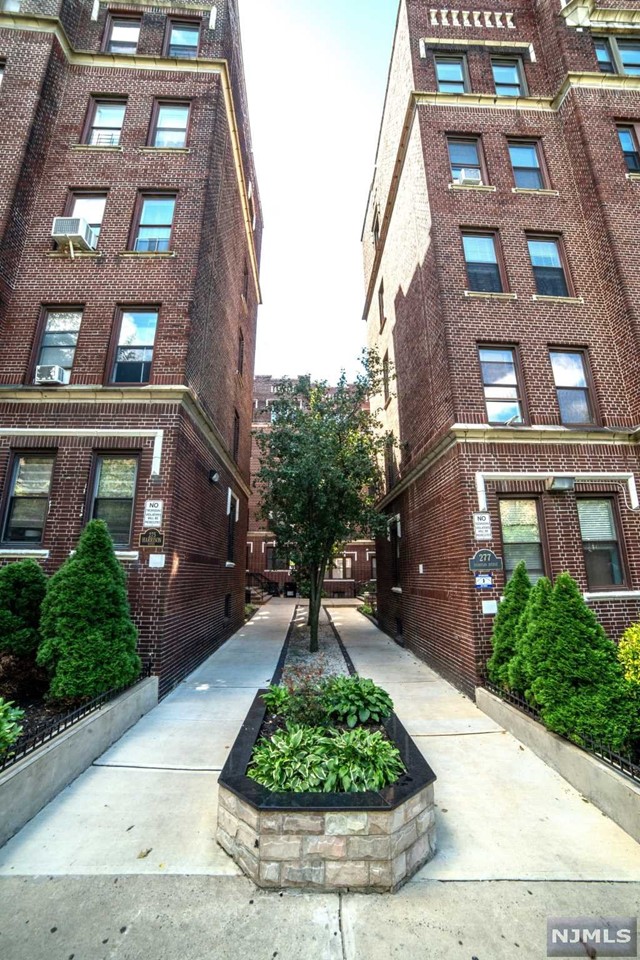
point(517, 844)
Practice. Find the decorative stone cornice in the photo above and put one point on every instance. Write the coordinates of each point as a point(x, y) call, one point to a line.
point(489, 19)
point(585, 13)
point(200, 65)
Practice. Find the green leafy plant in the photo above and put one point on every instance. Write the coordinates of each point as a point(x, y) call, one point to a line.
point(505, 626)
point(353, 700)
point(367, 609)
point(307, 704)
point(10, 727)
point(293, 760)
point(362, 760)
point(531, 631)
point(276, 699)
point(22, 590)
point(629, 654)
point(88, 638)
point(578, 685)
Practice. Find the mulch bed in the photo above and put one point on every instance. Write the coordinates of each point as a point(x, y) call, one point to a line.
point(26, 685)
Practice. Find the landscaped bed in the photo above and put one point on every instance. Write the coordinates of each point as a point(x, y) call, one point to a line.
point(324, 788)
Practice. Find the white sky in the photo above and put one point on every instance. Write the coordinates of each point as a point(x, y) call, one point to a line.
point(316, 74)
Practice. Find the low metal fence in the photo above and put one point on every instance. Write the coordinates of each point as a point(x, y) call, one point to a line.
point(47, 730)
point(623, 764)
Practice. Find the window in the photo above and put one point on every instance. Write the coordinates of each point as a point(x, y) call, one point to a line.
point(618, 56)
point(276, 560)
point(236, 434)
point(629, 144)
point(105, 121)
point(465, 154)
point(114, 494)
point(548, 268)
point(59, 340)
point(90, 207)
point(600, 543)
point(381, 311)
point(183, 39)
point(374, 567)
point(521, 537)
point(123, 35)
point(227, 606)
point(134, 351)
point(451, 74)
point(153, 223)
point(28, 499)
point(245, 282)
point(385, 376)
point(233, 512)
point(484, 271)
point(376, 229)
point(508, 78)
point(570, 374)
point(525, 161)
point(342, 569)
point(605, 59)
point(395, 536)
point(240, 352)
point(169, 125)
point(500, 383)
point(1, 72)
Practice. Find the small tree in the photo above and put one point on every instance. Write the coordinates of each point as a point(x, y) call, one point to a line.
point(531, 630)
point(22, 589)
point(505, 626)
point(88, 637)
point(629, 653)
point(578, 684)
point(320, 472)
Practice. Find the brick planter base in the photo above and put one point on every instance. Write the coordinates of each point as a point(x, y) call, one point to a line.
point(368, 842)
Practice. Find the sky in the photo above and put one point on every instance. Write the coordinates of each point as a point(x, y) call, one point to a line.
point(316, 74)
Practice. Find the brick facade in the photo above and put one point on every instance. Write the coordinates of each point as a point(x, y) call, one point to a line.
point(180, 421)
point(357, 562)
point(433, 325)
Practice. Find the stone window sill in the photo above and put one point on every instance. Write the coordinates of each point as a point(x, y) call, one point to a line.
point(95, 148)
point(229, 565)
point(127, 554)
point(634, 176)
point(531, 191)
point(396, 589)
point(612, 595)
point(543, 299)
point(18, 553)
point(479, 187)
point(164, 150)
point(148, 254)
point(77, 254)
point(488, 295)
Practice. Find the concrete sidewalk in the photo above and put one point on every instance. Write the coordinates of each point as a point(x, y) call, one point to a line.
point(149, 804)
point(517, 844)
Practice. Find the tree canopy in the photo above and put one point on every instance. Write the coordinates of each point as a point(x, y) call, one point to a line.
point(320, 475)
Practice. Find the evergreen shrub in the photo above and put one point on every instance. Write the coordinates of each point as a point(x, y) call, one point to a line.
point(531, 631)
point(22, 590)
point(88, 638)
point(505, 626)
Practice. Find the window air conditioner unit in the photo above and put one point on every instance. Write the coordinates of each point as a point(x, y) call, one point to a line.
point(470, 178)
point(49, 374)
point(70, 232)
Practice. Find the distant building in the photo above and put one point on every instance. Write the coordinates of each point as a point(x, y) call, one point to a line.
point(502, 283)
point(127, 339)
point(355, 565)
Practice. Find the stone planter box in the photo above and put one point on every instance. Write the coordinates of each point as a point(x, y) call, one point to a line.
point(367, 842)
point(609, 791)
point(28, 785)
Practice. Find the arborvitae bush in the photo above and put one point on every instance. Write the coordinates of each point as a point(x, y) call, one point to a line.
point(88, 637)
point(531, 628)
point(505, 626)
point(22, 589)
point(578, 684)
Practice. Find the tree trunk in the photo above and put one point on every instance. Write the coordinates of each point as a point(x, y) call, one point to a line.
point(315, 601)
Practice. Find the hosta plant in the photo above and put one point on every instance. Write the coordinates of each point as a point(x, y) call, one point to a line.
point(276, 700)
point(354, 700)
point(293, 760)
point(10, 728)
point(362, 760)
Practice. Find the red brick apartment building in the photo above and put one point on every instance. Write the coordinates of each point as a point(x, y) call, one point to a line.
point(355, 565)
point(127, 338)
point(501, 265)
